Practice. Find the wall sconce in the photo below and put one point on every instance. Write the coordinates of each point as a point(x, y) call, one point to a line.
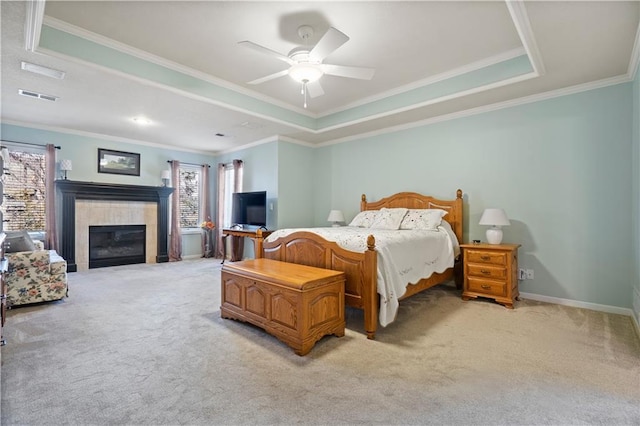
point(65, 166)
point(166, 175)
point(495, 218)
point(336, 217)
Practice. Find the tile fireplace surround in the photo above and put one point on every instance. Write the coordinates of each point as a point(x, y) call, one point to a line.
point(80, 204)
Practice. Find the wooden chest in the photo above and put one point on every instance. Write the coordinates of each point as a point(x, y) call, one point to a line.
point(297, 304)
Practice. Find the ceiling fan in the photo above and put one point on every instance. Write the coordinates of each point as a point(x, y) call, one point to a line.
point(306, 62)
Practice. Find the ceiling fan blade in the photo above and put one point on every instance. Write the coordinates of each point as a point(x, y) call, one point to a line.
point(329, 42)
point(269, 77)
point(350, 72)
point(267, 51)
point(315, 89)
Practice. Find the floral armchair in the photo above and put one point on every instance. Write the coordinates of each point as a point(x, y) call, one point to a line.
point(35, 276)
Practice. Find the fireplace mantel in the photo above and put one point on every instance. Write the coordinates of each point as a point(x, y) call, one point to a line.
point(69, 191)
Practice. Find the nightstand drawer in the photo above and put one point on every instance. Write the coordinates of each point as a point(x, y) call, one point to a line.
point(485, 256)
point(487, 271)
point(488, 287)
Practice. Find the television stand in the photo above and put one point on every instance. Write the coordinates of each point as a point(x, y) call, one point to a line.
point(257, 235)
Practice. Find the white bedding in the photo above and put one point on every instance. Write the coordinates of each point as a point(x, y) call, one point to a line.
point(404, 256)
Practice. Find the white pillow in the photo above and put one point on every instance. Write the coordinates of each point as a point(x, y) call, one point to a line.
point(389, 218)
point(428, 219)
point(364, 219)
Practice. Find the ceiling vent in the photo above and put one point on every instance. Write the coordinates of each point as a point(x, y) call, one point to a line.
point(39, 69)
point(37, 95)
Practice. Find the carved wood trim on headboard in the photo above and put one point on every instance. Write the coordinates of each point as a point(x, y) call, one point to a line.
point(413, 200)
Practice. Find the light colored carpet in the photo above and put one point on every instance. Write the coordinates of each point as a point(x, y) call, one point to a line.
point(145, 344)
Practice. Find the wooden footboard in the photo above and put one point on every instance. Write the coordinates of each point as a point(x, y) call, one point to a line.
point(306, 248)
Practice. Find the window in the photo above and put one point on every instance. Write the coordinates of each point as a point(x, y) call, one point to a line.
point(229, 179)
point(190, 188)
point(24, 189)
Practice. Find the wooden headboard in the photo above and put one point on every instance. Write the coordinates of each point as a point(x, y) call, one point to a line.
point(413, 200)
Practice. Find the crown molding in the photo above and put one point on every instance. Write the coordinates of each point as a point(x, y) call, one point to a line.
point(634, 61)
point(474, 66)
point(270, 139)
point(521, 21)
point(33, 24)
point(435, 100)
point(487, 108)
point(103, 136)
point(174, 66)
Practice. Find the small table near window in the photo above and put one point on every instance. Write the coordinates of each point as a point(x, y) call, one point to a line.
point(257, 235)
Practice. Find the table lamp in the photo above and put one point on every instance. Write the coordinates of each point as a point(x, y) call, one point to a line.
point(496, 218)
point(336, 217)
point(65, 166)
point(165, 176)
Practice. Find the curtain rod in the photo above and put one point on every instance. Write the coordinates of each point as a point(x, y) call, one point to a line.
point(27, 143)
point(189, 164)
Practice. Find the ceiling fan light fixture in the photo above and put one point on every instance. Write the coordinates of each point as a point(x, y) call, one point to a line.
point(305, 73)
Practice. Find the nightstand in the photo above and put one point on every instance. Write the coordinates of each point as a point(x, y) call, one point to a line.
point(491, 270)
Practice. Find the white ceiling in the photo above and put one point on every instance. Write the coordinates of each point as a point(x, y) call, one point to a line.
point(421, 51)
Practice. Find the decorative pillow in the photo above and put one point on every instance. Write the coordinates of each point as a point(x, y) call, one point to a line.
point(389, 218)
point(18, 241)
point(364, 219)
point(428, 219)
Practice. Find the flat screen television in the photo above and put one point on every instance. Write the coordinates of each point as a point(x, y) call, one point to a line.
point(249, 208)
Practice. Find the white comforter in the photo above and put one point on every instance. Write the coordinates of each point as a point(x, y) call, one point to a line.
point(404, 256)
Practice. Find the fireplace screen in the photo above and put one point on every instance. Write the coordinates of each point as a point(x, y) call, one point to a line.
point(116, 245)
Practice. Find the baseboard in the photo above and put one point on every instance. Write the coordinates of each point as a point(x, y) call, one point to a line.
point(191, 257)
point(636, 308)
point(586, 305)
point(635, 322)
point(578, 304)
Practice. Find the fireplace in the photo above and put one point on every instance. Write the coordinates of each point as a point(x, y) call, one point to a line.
point(114, 245)
point(69, 192)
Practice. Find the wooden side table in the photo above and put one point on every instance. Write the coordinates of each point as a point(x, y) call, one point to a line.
point(257, 235)
point(491, 270)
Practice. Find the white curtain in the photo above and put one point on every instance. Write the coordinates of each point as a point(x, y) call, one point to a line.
point(205, 212)
point(175, 242)
point(238, 243)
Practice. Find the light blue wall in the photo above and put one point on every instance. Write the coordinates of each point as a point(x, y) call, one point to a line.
point(560, 168)
point(296, 165)
point(83, 152)
point(636, 196)
point(563, 170)
point(260, 173)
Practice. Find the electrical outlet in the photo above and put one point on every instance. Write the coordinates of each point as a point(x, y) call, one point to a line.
point(522, 275)
point(529, 274)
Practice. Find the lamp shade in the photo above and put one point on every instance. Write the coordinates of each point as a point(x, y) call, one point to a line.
point(494, 218)
point(66, 165)
point(166, 174)
point(335, 216)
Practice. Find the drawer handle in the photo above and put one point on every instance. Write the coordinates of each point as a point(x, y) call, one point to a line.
point(485, 286)
point(485, 257)
point(485, 272)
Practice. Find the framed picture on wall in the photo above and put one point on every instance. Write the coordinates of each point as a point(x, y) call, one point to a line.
point(118, 162)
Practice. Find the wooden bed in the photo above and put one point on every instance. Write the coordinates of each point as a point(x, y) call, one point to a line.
point(307, 248)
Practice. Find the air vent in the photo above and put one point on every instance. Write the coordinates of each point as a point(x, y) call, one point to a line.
point(251, 125)
point(39, 69)
point(37, 95)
